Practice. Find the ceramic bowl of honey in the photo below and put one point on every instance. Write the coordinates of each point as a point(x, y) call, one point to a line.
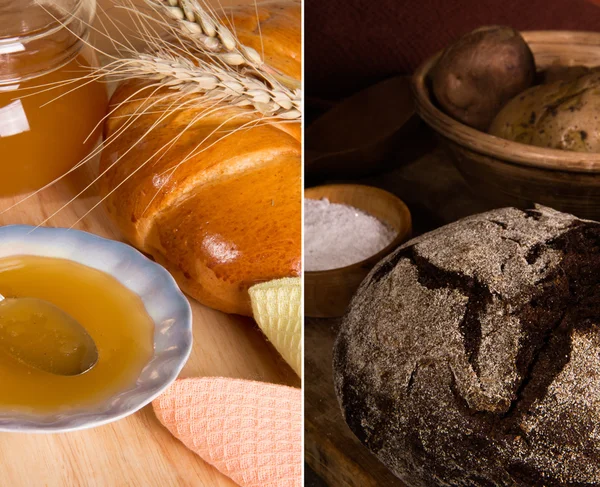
point(132, 308)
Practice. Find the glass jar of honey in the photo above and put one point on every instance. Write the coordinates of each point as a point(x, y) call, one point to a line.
point(49, 113)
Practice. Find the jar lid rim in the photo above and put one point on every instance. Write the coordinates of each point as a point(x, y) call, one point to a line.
point(48, 24)
point(48, 45)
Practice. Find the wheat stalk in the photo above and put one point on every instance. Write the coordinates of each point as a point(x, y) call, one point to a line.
point(215, 83)
point(241, 79)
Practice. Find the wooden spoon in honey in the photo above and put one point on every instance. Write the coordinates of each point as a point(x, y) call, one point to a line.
point(41, 335)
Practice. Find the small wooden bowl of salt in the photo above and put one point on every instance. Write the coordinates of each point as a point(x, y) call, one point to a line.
point(348, 228)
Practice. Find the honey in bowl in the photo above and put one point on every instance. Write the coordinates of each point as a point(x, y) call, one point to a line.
point(114, 317)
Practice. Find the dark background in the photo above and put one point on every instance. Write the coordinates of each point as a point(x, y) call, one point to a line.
point(351, 44)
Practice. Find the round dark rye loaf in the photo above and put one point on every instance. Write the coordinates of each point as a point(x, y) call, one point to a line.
point(471, 355)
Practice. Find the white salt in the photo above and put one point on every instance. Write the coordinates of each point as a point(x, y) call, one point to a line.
point(338, 235)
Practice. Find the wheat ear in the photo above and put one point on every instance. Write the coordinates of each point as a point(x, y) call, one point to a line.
point(213, 82)
point(199, 24)
point(214, 34)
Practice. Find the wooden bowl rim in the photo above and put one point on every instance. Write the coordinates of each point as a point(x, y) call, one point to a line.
point(496, 147)
point(369, 261)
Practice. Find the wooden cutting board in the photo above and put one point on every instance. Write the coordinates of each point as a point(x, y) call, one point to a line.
point(135, 451)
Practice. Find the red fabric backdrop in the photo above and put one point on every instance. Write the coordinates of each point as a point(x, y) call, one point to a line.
point(351, 44)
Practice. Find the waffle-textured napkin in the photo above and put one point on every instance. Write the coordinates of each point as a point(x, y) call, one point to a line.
point(250, 431)
point(276, 306)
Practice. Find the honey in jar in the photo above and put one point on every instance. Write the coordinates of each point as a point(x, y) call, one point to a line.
point(112, 315)
point(49, 114)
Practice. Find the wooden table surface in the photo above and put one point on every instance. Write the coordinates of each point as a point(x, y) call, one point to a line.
point(436, 194)
point(135, 451)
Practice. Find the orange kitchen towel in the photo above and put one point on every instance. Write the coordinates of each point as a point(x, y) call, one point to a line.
point(250, 431)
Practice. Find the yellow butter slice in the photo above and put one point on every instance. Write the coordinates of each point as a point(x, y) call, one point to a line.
point(276, 306)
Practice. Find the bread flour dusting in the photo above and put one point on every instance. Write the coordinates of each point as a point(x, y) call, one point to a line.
point(337, 235)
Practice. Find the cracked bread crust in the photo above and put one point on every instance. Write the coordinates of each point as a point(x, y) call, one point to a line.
point(471, 355)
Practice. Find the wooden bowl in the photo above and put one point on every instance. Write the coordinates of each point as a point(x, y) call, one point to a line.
point(328, 293)
point(510, 173)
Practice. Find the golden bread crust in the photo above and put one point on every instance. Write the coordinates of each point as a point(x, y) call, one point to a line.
point(215, 196)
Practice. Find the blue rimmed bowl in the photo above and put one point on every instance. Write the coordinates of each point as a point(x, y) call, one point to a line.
point(164, 302)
